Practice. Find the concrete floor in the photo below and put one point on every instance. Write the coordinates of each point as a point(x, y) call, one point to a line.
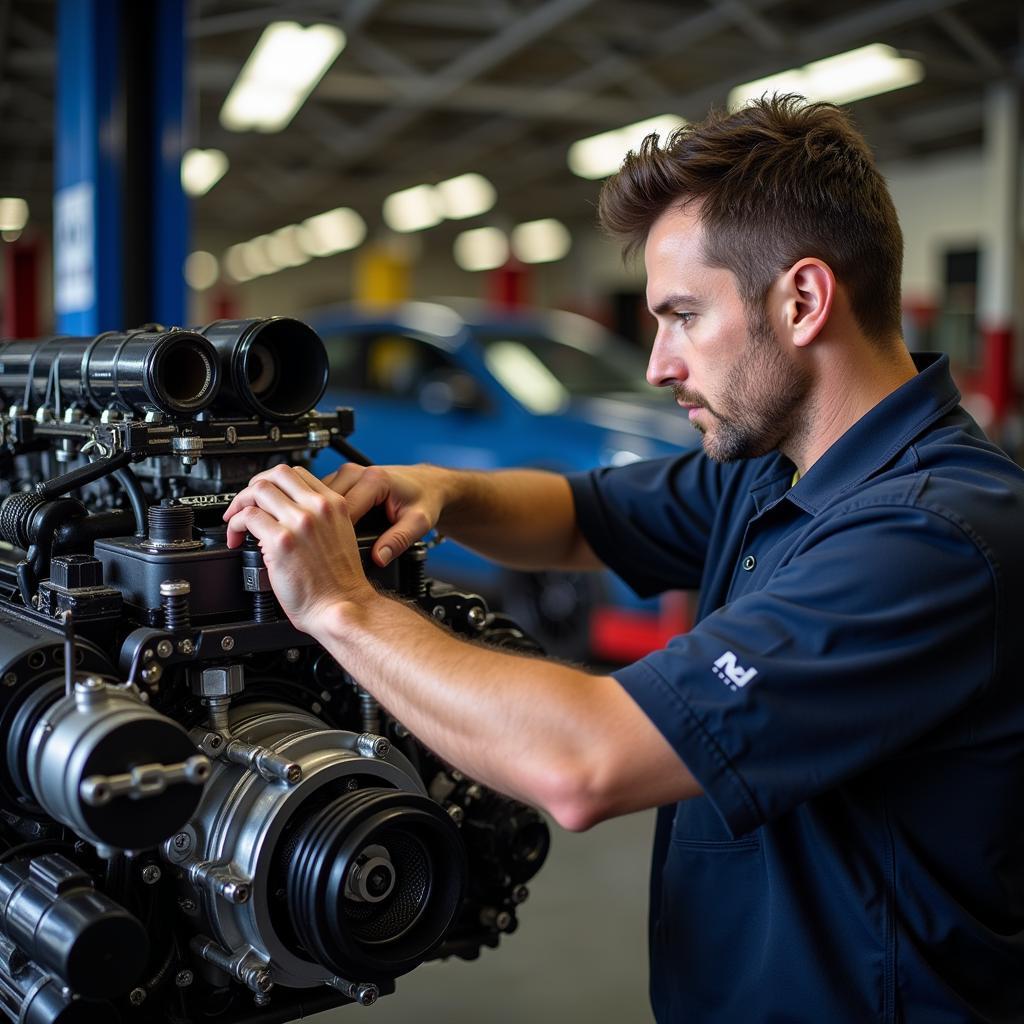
point(580, 953)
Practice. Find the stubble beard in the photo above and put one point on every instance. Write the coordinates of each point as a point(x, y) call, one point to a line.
point(763, 401)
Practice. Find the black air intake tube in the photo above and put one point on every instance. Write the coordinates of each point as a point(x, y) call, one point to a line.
point(173, 371)
point(275, 369)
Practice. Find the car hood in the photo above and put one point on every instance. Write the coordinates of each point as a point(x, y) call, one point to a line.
point(654, 417)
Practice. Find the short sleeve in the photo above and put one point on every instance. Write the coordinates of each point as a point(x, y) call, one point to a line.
point(879, 629)
point(651, 522)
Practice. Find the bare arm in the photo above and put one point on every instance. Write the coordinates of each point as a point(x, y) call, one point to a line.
point(552, 735)
point(522, 518)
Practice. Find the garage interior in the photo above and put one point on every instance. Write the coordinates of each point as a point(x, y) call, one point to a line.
point(440, 159)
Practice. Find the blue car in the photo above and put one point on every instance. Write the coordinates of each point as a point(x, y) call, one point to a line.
point(470, 387)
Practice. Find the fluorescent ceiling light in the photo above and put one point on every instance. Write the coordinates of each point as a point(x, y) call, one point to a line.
point(541, 241)
point(413, 209)
point(282, 70)
point(201, 169)
point(334, 231)
point(601, 155)
point(13, 214)
point(844, 78)
point(481, 249)
point(285, 247)
point(235, 264)
point(468, 195)
point(201, 270)
point(257, 257)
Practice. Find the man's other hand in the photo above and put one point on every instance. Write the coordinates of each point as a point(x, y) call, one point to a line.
point(307, 539)
point(412, 496)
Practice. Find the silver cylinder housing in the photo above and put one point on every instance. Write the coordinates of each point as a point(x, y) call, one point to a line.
point(244, 819)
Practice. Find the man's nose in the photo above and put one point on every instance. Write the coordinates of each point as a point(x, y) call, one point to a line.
point(665, 367)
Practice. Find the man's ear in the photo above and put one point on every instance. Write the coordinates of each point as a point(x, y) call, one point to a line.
point(808, 289)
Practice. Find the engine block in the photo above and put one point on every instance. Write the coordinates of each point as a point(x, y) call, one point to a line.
point(204, 816)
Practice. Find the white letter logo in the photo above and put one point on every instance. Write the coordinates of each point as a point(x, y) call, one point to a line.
point(730, 672)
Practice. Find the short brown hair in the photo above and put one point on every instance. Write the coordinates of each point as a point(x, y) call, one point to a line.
point(777, 181)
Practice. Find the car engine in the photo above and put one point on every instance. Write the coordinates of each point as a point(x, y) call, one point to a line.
point(203, 816)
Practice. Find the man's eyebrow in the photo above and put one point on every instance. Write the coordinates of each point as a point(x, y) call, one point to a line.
point(673, 301)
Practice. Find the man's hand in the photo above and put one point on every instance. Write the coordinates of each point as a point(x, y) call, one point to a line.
point(413, 498)
point(308, 543)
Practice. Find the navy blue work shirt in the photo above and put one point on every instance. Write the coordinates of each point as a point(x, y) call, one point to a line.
point(851, 701)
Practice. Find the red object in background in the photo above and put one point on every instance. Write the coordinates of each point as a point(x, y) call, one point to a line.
point(997, 370)
point(224, 305)
point(21, 289)
point(508, 286)
point(623, 635)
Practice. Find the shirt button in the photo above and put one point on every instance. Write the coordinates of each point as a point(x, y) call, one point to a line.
point(749, 562)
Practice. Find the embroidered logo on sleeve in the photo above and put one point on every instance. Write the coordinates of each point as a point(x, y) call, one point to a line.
point(731, 672)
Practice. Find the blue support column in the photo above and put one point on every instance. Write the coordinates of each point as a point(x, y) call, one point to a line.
point(170, 205)
point(120, 214)
point(89, 157)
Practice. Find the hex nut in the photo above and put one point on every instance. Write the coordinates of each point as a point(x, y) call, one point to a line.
point(220, 681)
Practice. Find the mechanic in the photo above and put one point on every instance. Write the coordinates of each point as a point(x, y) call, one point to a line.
point(836, 746)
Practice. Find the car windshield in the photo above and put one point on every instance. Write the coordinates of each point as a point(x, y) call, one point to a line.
point(543, 372)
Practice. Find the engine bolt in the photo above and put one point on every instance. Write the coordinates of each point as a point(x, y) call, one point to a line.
point(184, 978)
point(151, 874)
point(227, 643)
point(137, 996)
point(164, 648)
point(366, 994)
point(187, 905)
point(456, 813)
point(352, 784)
point(476, 617)
point(10, 679)
point(474, 792)
point(520, 894)
point(438, 612)
point(491, 917)
point(231, 435)
point(182, 841)
point(370, 745)
point(152, 673)
point(186, 647)
point(292, 654)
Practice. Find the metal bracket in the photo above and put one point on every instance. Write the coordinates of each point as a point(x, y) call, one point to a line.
point(144, 780)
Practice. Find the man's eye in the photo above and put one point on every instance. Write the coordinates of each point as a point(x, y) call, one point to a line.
point(685, 316)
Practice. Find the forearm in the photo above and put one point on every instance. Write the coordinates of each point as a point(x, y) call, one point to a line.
point(552, 735)
point(521, 725)
point(523, 518)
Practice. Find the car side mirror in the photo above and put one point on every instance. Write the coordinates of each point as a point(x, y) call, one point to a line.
point(445, 391)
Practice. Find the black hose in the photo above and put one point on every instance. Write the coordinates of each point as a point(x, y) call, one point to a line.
point(81, 476)
point(353, 454)
point(136, 498)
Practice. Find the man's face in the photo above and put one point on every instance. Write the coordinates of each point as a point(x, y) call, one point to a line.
point(727, 366)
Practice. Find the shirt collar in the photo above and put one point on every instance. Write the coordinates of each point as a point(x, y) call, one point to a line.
point(879, 435)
